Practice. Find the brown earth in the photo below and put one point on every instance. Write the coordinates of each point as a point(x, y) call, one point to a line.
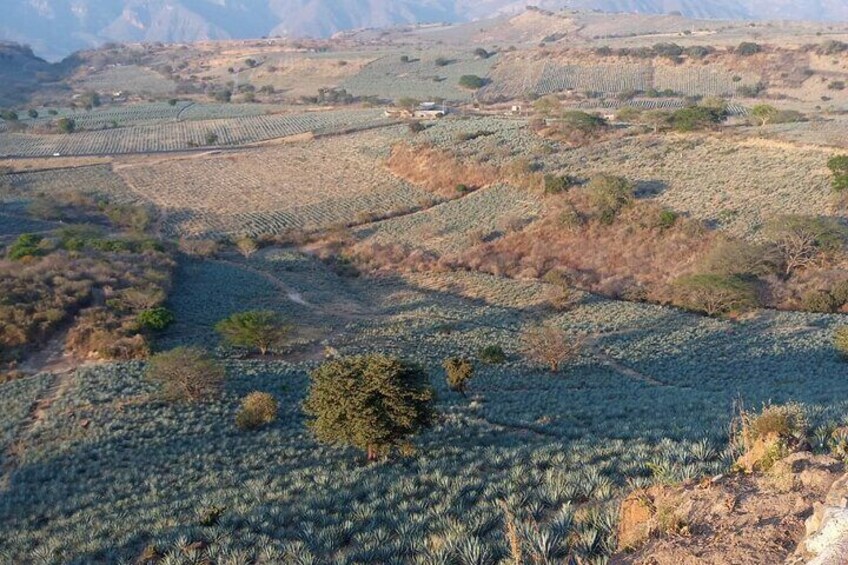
point(728, 520)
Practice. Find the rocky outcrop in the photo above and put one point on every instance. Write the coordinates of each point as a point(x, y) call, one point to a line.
point(738, 518)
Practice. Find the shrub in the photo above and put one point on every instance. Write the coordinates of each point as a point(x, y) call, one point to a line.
point(442, 62)
point(769, 435)
point(715, 294)
point(247, 246)
point(609, 195)
point(27, 245)
point(257, 409)
point(186, 374)
point(840, 292)
point(666, 219)
point(840, 341)
point(260, 329)
point(738, 257)
point(747, 48)
point(416, 127)
point(482, 53)
point(155, 319)
point(554, 184)
point(551, 346)
point(211, 138)
point(472, 82)
point(491, 354)
point(838, 166)
point(458, 371)
point(819, 301)
point(386, 400)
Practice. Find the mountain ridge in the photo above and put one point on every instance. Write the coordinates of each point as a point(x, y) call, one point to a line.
point(58, 28)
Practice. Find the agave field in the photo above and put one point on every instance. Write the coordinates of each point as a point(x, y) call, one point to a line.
point(15, 403)
point(704, 81)
point(307, 185)
point(594, 78)
point(143, 473)
point(420, 78)
point(518, 77)
point(128, 79)
point(95, 180)
point(453, 225)
point(736, 185)
point(733, 109)
point(822, 132)
point(182, 135)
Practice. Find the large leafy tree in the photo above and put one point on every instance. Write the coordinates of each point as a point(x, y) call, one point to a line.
point(254, 329)
point(371, 402)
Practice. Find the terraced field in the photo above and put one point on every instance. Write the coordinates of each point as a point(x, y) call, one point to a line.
point(305, 186)
point(541, 443)
point(128, 79)
point(183, 135)
point(421, 78)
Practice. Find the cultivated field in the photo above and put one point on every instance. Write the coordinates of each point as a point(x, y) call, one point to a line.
point(309, 185)
point(184, 135)
point(128, 79)
point(421, 78)
point(652, 398)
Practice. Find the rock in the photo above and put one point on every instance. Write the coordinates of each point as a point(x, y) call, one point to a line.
point(636, 520)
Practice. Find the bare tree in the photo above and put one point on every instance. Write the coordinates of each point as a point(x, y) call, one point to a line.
point(551, 346)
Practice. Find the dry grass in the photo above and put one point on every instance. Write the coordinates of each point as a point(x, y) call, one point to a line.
point(437, 170)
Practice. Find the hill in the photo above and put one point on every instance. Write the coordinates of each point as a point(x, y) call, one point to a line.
point(58, 28)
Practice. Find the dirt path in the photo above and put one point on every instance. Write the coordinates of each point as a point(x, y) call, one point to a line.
point(606, 359)
point(53, 359)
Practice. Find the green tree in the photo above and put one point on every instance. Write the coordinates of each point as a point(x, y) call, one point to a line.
point(32, 113)
point(696, 117)
point(259, 329)
point(609, 194)
point(764, 113)
point(838, 166)
point(186, 374)
point(211, 138)
point(66, 125)
point(458, 371)
point(840, 341)
point(714, 294)
point(371, 402)
point(471, 82)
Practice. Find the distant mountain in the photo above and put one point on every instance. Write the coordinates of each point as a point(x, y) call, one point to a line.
point(55, 28)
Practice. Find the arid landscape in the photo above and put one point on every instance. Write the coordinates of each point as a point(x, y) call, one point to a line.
point(550, 287)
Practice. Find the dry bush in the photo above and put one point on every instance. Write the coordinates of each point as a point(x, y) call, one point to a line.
point(199, 247)
point(603, 258)
point(438, 171)
point(247, 246)
point(769, 435)
point(257, 409)
point(374, 256)
point(551, 346)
